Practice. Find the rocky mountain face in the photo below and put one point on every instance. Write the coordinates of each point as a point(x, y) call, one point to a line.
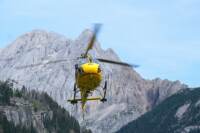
point(179, 113)
point(27, 111)
point(128, 94)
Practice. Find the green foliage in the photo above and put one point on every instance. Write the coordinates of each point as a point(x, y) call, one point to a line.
point(6, 93)
point(17, 93)
point(195, 131)
point(35, 106)
point(60, 122)
point(162, 118)
point(84, 130)
point(9, 127)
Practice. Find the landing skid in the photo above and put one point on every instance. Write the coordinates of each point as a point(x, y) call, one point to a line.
point(88, 99)
point(102, 99)
point(74, 101)
point(104, 95)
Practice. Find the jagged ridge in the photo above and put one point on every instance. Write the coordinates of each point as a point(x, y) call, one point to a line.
point(129, 95)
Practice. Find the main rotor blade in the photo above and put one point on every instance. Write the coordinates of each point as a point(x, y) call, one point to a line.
point(42, 63)
point(93, 38)
point(117, 63)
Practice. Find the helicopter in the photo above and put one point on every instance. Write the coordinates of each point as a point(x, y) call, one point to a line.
point(88, 73)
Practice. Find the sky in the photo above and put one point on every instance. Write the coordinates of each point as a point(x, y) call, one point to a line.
point(163, 37)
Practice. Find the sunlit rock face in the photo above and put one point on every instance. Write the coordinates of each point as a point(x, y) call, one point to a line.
point(128, 94)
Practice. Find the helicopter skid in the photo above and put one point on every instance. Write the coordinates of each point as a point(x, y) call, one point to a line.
point(74, 101)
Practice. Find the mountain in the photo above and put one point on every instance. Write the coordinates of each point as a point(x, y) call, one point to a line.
point(179, 113)
point(129, 95)
point(25, 111)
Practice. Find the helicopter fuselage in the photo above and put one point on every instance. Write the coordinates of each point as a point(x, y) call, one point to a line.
point(88, 76)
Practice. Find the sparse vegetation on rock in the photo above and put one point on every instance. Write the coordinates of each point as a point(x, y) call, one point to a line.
point(39, 112)
point(164, 119)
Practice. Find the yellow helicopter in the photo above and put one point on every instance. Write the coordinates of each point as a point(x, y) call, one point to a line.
point(88, 73)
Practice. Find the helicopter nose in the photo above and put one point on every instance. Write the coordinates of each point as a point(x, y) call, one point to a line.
point(90, 68)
